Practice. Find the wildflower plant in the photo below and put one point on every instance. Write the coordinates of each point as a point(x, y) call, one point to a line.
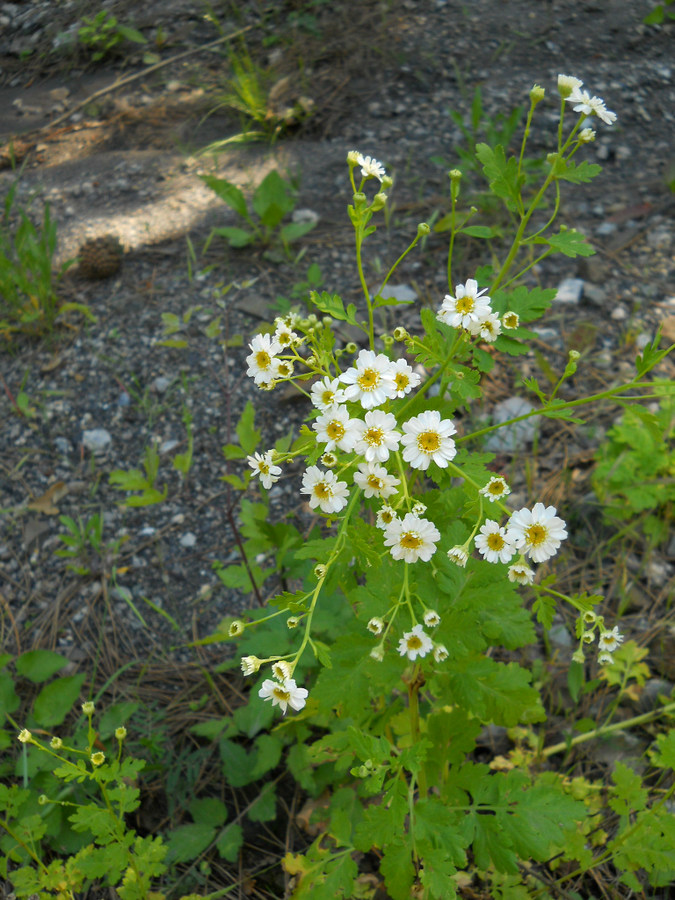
point(408, 599)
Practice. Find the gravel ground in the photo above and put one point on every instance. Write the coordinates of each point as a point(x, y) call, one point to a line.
point(99, 394)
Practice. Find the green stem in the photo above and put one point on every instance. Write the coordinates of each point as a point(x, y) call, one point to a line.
point(414, 711)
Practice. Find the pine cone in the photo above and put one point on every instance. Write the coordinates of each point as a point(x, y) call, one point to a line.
point(100, 257)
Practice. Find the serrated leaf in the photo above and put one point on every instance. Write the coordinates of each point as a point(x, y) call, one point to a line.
point(398, 870)
point(208, 811)
point(187, 842)
point(39, 665)
point(264, 808)
point(664, 754)
point(572, 243)
point(246, 431)
point(268, 753)
point(230, 841)
point(332, 305)
point(272, 199)
point(578, 173)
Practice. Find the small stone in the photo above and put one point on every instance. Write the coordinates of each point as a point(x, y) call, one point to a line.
point(570, 290)
point(146, 531)
point(96, 440)
point(594, 294)
point(188, 540)
point(619, 314)
point(515, 436)
point(305, 216)
point(605, 229)
point(63, 445)
point(401, 292)
point(559, 636)
point(161, 383)
point(168, 446)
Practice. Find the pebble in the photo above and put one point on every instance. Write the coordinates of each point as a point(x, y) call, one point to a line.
point(305, 216)
point(570, 290)
point(188, 540)
point(559, 636)
point(619, 314)
point(161, 383)
point(63, 445)
point(96, 440)
point(515, 436)
point(168, 446)
point(401, 292)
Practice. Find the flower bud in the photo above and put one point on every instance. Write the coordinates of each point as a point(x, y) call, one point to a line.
point(578, 656)
point(423, 229)
point(282, 670)
point(25, 736)
point(88, 708)
point(56, 743)
point(586, 135)
point(326, 321)
point(120, 733)
point(292, 621)
point(379, 201)
point(351, 347)
point(236, 628)
point(588, 637)
point(250, 665)
point(320, 571)
point(589, 617)
point(377, 653)
point(375, 625)
point(400, 334)
point(97, 759)
point(574, 355)
point(386, 182)
point(43, 799)
point(329, 459)
point(387, 340)
point(537, 94)
point(353, 158)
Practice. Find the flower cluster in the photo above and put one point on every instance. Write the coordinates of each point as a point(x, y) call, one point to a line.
point(608, 640)
point(470, 309)
point(569, 88)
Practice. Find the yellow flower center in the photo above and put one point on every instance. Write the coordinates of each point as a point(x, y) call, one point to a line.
point(322, 490)
point(374, 436)
point(264, 468)
point(387, 517)
point(402, 381)
point(369, 379)
point(263, 359)
point(375, 483)
point(464, 305)
point(428, 441)
point(327, 397)
point(281, 694)
point(335, 430)
point(535, 535)
point(410, 540)
point(414, 643)
point(496, 488)
point(495, 541)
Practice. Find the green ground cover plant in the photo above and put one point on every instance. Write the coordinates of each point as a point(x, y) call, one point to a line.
point(394, 639)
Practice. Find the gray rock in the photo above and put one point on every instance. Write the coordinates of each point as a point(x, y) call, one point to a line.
point(161, 383)
point(515, 436)
point(559, 636)
point(570, 290)
point(188, 540)
point(401, 292)
point(96, 440)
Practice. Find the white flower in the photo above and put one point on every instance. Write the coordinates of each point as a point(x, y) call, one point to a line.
point(405, 379)
point(431, 618)
point(427, 438)
point(610, 640)
point(375, 625)
point(466, 307)
point(605, 659)
point(378, 652)
point(496, 488)
point(493, 543)
point(283, 368)
point(488, 328)
point(600, 110)
point(415, 643)
point(375, 481)
point(591, 106)
point(376, 436)
point(537, 533)
point(586, 135)
point(519, 573)
point(459, 556)
point(411, 538)
point(261, 362)
point(440, 653)
point(262, 465)
point(284, 334)
point(335, 428)
point(324, 490)
point(370, 168)
point(282, 670)
point(25, 736)
point(329, 460)
point(510, 320)
point(370, 380)
point(385, 516)
point(567, 84)
point(326, 393)
point(418, 508)
point(283, 694)
point(249, 664)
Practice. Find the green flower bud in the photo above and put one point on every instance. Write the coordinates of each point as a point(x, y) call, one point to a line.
point(400, 334)
point(43, 799)
point(351, 347)
point(320, 571)
point(97, 759)
point(423, 229)
point(88, 708)
point(236, 628)
point(387, 182)
point(379, 201)
point(120, 733)
point(537, 94)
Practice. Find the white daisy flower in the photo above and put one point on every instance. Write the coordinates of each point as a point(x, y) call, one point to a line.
point(283, 368)
point(600, 110)
point(415, 643)
point(283, 694)
point(335, 428)
point(466, 307)
point(567, 84)
point(284, 334)
point(493, 543)
point(431, 618)
point(385, 516)
point(249, 664)
point(262, 465)
point(375, 481)
point(458, 556)
point(427, 438)
point(324, 490)
point(375, 625)
point(591, 106)
point(538, 532)
point(282, 670)
point(488, 328)
point(519, 573)
point(261, 362)
point(610, 640)
point(510, 320)
point(605, 659)
point(370, 168)
point(326, 393)
point(411, 538)
point(405, 379)
point(440, 653)
point(496, 488)
point(370, 380)
point(376, 436)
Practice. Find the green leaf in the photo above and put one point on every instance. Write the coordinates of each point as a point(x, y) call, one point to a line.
point(480, 231)
point(268, 753)
point(273, 199)
point(295, 230)
point(235, 237)
point(664, 755)
point(131, 34)
point(228, 193)
point(39, 665)
point(500, 172)
point(246, 432)
point(264, 809)
point(332, 305)
point(398, 870)
point(237, 764)
point(9, 699)
point(56, 700)
point(495, 692)
point(187, 842)
point(570, 242)
point(528, 304)
point(208, 811)
point(230, 841)
point(578, 174)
